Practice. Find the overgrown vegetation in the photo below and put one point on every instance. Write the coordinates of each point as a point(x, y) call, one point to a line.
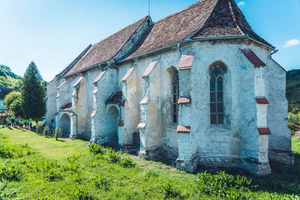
point(36, 167)
point(8, 79)
point(58, 133)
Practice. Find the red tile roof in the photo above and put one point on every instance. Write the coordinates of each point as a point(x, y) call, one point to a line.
point(252, 57)
point(106, 49)
point(78, 81)
point(142, 126)
point(204, 19)
point(264, 131)
point(184, 100)
point(115, 98)
point(183, 129)
point(56, 113)
point(99, 77)
point(62, 84)
point(66, 107)
point(149, 69)
point(262, 101)
point(120, 123)
point(127, 74)
point(186, 61)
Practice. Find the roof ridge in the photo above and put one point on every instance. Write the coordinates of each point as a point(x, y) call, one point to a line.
point(199, 2)
point(234, 19)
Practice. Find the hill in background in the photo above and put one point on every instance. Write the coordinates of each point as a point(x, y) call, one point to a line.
point(293, 86)
point(8, 79)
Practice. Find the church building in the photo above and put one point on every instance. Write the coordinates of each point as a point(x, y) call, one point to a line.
point(199, 86)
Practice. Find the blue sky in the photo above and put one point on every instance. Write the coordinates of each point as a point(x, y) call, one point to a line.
point(53, 32)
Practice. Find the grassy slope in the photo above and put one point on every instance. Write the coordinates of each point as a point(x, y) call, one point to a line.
point(293, 85)
point(122, 183)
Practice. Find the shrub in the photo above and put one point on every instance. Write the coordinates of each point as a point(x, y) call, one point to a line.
point(101, 182)
point(11, 172)
point(39, 128)
point(6, 192)
point(52, 175)
point(46, 131)
point(169, 191)
point(150, 174)
point(127, 163)
point(223, 185)
point(81, 194)
point(113, 157)
point(58, 132)
point(6, 151)
point(96, 149)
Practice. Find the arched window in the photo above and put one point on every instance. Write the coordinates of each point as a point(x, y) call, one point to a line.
point(216, 93)
point(175, 95)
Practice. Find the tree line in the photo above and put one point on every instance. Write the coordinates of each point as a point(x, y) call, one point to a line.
point(31, 101)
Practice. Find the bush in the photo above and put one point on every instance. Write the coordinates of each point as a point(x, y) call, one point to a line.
point(39, 128)
point(223, 185)
point(113, 157)
point(52, 175)
point(127, 163)
point(58, 133)
point(96, 149)
point(11, 172)
point(46, 131)
point(169, 192)
point(101, 182)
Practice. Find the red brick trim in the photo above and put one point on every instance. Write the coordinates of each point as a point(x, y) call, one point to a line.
point(57, 96)
point(264, 131)
point(71, 114)
point(183, 129)
point(99, 77)
point(262, 101)
point(95, 91)
point(56, 113)
point(186, 61)
point(61, 84)
point(144, 101)
point(73, 94)
point(120, 123)
point(184, 100)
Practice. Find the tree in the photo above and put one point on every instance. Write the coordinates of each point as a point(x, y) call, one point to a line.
point(33, 93)
point(10, 98)
point(16, 107)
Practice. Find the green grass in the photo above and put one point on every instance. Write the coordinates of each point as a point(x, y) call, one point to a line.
point(38, 167)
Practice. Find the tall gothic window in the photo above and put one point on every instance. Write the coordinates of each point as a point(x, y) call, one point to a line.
point(216, 95)
point(175, 95)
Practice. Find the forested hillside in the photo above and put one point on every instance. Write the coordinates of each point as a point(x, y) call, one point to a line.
point(9, 79)
point(293, 86)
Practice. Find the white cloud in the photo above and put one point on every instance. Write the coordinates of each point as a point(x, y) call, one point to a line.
point(241, 3)
point(291, 43)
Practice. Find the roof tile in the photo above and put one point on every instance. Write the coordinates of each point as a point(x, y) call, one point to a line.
point(106, 49)
point(93, 114)
point(99, 77)
point(144, 101)
point(66, 107)
point(120, 123)
point(115, 98)
point(78, 81)
point(264, 131)
point(127, 74)
point(262, 101)
point(149, 69)
point(184, 100)
point(61, 84)
point(142, 126)
point(252, 57)
point(183, 129)
point(186, 61)
point(95, 91)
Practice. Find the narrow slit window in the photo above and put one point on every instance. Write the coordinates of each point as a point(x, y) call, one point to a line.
point(175, 95)
point(216, 96)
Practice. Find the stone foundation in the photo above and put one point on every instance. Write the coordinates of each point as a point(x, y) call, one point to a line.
point(281, 157)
